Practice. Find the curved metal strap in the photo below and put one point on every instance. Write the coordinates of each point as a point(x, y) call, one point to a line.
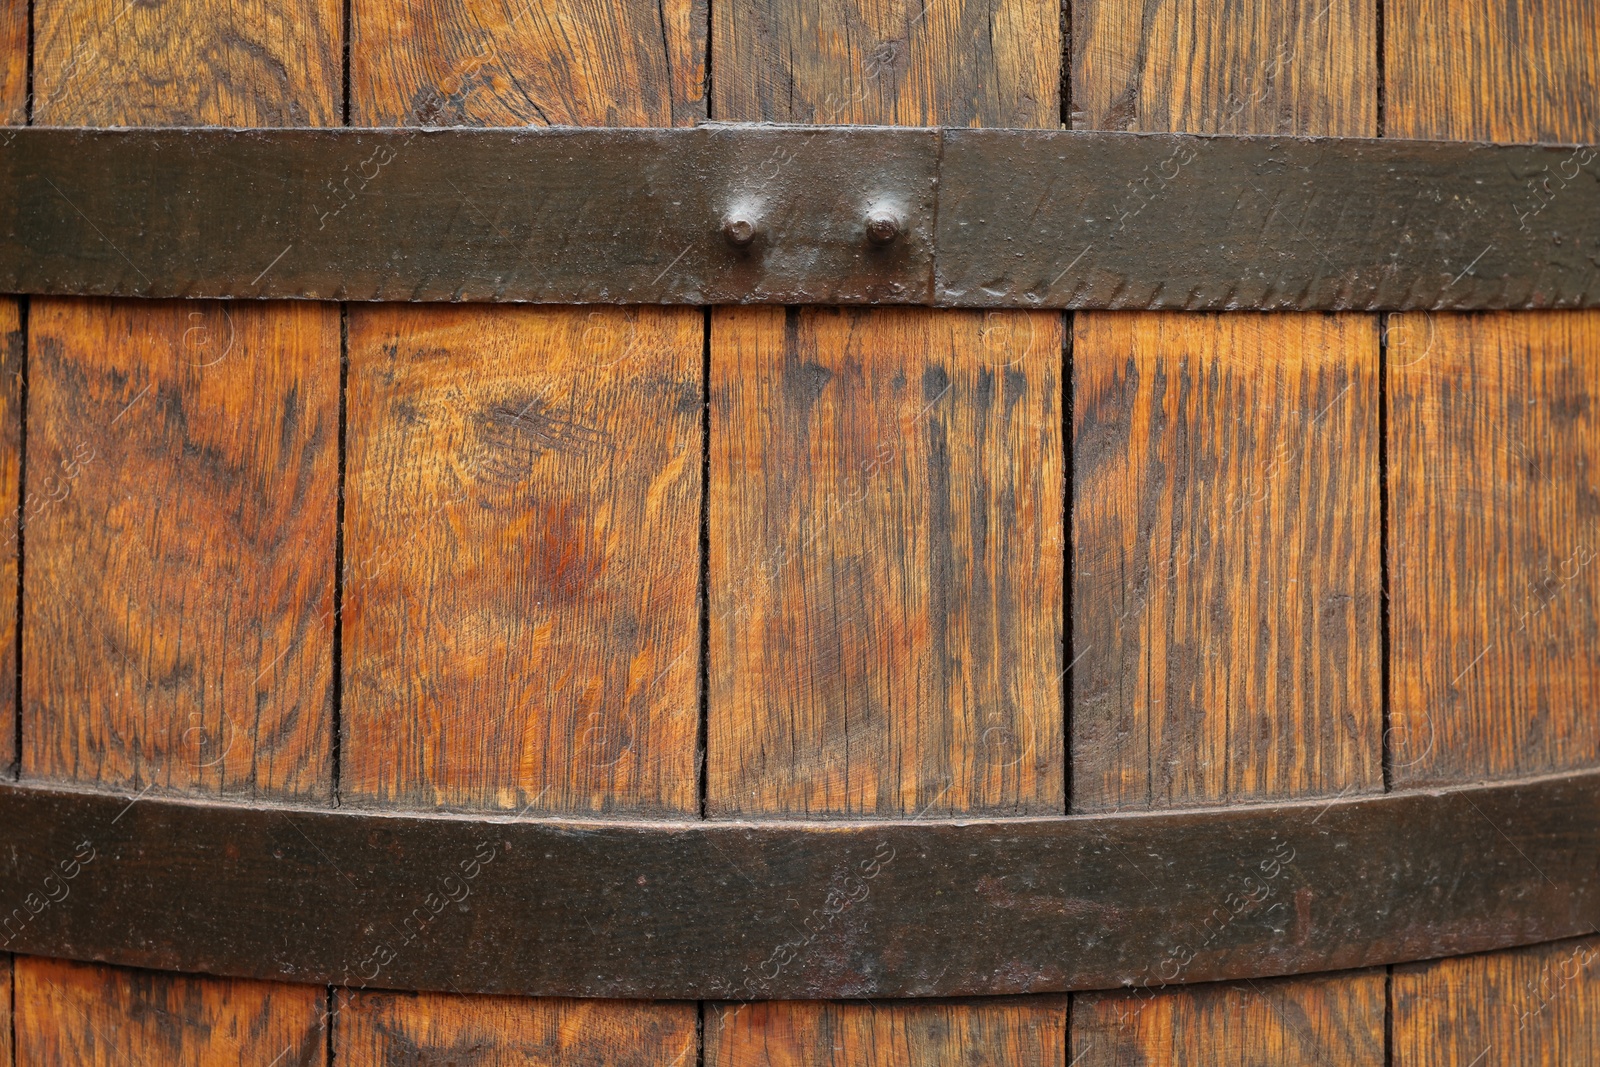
point(796, 909)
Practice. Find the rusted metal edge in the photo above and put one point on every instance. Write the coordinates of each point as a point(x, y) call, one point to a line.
point(826, 215)
point(796, 909)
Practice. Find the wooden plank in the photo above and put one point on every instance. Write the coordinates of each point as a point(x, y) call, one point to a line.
point(13, 62)
point(96, 1016)
point(187, 63)
point(522, 522)
point(1493, 512)
point(1226, 518)
point(885, 525)
point(178, 621)
point(1269, 1023)
point(7, 1042)
point(533, 644)
point(180, 557)
point(377, 1029)
point(885, 573)
point(863, 1034)
point(961, 63)
point(1532, 1006)
point(1495, 530)
point(1227, 571)
point(176, 632)
point(1493, 70)
point(524, 489)
point(1493, 496)
point(1205, 66)
point(886, 498)
point(517, 63)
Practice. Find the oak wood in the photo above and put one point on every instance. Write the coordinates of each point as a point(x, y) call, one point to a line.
point(90, 1015)
point(885, 516)
point(187, 63)
point(1227, 569)
point(897, 62)
point(885, 581)
point(1226, 518)
point(178, 627)
point(180, 558)
point(522, 520)
point(520, 63)
point(998, 1032)
point(1267, 1023)
point(1203, 66)
point(545, 547)
point(1492, 70)
point(1533, 1007)
point(7, 1049)
point(13, 62)
point(379, 1029)
point(1495, 530)
point(12, 512)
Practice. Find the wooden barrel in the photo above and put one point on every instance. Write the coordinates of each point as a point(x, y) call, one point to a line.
point(767, 680)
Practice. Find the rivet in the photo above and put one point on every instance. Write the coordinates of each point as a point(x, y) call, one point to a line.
point(739, 231)
point(883, 226)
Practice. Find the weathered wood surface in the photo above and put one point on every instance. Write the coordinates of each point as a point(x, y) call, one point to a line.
point(1532, 1007)
point(178, 626)
point(1493, 508)
point(1305, 67)
point(890, 62)
point(1227, 569)
point(1226, 528)
point(1495, 527)
point(984, 1033)
point(94, 1016)
point(549, 583)
point(409, 1028)
point(187, 63)
point(177, 622)
point(1268, 1023)
point(885, 563)
point(522, 520)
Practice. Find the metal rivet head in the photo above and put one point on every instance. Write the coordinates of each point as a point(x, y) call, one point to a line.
point(883, 226)
point(739, 231)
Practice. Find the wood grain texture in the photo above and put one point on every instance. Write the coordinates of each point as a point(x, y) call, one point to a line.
point(1250, 499)
point(12, 360)
point(899, 62)
point(180, 550)
point(518, 62)
point(1227, 570)
point(886, 497)
point(1532, 1007)
point(383, 1029)
point(8, 1041)
point(1494, 440)
point(1328, 1019)
point(1493, 70)
point(1226, 521)
point(187, 63)
point(89, 1015)
point(521, 600)
point(522, 523)
point(13, 62)
point(999, 1032)
point(1304, 67)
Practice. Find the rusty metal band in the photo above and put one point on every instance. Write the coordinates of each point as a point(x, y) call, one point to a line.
point(832, 215)
point(796, 909)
